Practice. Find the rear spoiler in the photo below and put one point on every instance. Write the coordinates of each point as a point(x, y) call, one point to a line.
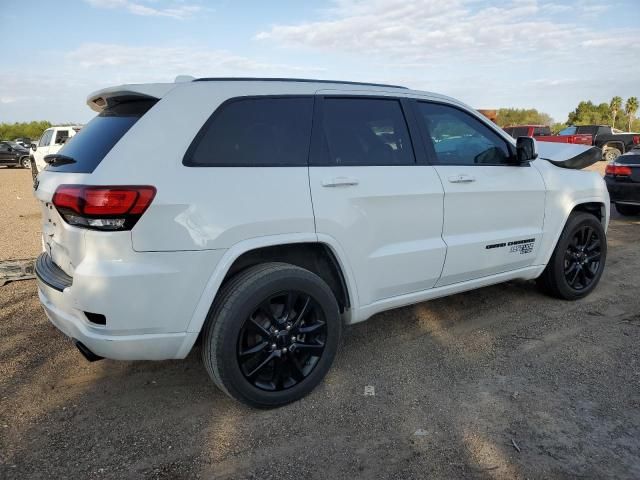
point(567, 155)
point(107, 97)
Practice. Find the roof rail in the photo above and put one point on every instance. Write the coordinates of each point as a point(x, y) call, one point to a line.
point(304, 80)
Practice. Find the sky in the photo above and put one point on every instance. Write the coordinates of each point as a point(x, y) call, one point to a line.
point(527, 54)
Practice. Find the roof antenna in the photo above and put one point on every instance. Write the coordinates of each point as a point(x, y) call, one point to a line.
point(184, 78)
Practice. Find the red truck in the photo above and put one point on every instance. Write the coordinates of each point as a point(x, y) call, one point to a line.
point(542, 133)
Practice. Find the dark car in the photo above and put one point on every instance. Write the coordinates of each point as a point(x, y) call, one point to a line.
point(13, 154)
point(623, 182)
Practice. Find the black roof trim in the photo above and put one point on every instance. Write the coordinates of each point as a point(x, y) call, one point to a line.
point(303, 80)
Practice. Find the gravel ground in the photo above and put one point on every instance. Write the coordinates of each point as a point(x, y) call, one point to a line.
point(19, 215)
point(501, 383)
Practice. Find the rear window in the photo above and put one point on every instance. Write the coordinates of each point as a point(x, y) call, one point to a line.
point(91, 144)
point(540, 131)
point(567, 131)
point(254, 132)
point(631, 158)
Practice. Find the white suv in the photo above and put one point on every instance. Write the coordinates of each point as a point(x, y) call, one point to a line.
point(259, 216)
point(50, 142)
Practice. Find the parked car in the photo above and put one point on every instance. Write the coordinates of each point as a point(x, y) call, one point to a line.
point(13, 154)
point(527, 130)
point(542, 133)
point(24, 142)
point(279, 210)
point(612, 141)
point(51, 142)
point(622, 177)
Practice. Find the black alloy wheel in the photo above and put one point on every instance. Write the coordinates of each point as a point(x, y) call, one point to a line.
point(582, 258)
point(282, 341)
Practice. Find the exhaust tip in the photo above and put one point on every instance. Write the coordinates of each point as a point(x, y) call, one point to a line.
point(86, 353)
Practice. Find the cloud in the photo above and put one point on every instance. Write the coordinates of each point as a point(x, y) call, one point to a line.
point(177, 11)
point(150, 63)
point(421, 30)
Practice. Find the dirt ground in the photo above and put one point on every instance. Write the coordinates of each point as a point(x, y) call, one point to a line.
point(499, 383)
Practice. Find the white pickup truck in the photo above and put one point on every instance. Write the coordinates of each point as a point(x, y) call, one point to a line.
point(51, 141)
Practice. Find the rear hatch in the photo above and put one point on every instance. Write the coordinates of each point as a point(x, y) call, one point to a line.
point(631, 160)
point(74, 164)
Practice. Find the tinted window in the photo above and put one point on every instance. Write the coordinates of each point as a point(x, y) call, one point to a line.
point(586, 130)
point(361, 131)
point(459, 138)
point(631, 158)
point(255, 132)
point(4, 147)
point(45, 139)
point(516, 132)
point(89, 146)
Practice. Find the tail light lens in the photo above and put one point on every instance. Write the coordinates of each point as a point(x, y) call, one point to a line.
point(618, 170)
point(636, 139)
point(103, 208)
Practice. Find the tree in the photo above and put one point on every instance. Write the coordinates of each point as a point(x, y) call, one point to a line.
point(587, 113)
point(630, 109)
point(522, 116)
point(614, 108)
point(32, 130)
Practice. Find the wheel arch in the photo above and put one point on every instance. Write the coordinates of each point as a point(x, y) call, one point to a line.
point(615, 144)
point(594, 206)
point(324, 257)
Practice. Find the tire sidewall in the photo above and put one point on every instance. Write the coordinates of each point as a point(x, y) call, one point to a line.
point(231, 321)
point(574, 223)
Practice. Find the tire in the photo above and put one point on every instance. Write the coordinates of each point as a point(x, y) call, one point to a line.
point(25, 162)
point(572, 249)
point(610, 154)
point(243, 355)
point(628, 210)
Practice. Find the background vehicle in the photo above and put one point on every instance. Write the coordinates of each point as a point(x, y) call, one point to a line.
point(24, 142)
point(612, 141)
point(527, 130)
point(51, 142)
point(279, 209)
point(622, 177)
point(13, 154)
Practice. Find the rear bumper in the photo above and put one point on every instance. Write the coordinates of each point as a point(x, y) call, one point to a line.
point(118, 347)
point(146, 301)
point(623, 192)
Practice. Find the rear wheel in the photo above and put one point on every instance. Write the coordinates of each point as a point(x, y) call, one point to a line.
point(628, 210)
point(578, 260)
point(611, 153)
point(271, 335)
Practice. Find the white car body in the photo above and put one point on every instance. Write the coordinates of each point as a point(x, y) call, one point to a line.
point(400, 234)
point(51, 141)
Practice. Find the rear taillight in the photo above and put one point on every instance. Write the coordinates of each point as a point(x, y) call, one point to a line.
point(103, 208)
point(618, 170)
point(636, 139)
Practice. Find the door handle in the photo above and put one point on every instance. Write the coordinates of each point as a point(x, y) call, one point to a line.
point(462, 178)
point(340, 182)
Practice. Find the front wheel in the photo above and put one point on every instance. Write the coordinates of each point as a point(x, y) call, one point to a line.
point(271, 335)
point(628, 210)
point(578, 260)
point(25, 162)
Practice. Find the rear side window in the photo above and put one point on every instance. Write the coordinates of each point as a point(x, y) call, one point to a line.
point(91, 144)
point(61, 136)
point(255, 132)
point(363, 131)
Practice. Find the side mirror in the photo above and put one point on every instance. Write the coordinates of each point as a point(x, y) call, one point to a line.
point(34, 147)
point(526, 150)
point(10, 149)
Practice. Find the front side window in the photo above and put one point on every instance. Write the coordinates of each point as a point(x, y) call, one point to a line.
point(4, 147)
point(255, 132)
point(460, 139)
point(364, 131)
